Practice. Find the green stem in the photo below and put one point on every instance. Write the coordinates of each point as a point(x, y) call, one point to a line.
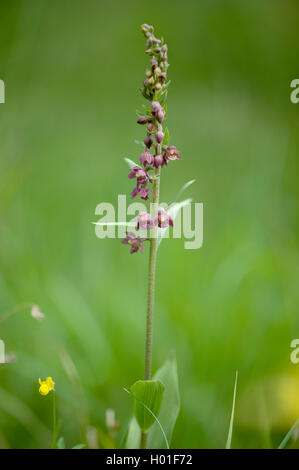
point(143, 440)
point(152, 272)
point(54, 439)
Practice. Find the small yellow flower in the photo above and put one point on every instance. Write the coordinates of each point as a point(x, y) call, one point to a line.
point(46, 385)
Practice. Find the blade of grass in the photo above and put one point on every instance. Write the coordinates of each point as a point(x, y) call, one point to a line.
point(288, 435)
point(231, 424)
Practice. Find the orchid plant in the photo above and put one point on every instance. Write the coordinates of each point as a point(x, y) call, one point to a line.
point(156, 398)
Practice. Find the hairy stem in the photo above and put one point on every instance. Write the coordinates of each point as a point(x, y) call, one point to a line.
point(152, 272)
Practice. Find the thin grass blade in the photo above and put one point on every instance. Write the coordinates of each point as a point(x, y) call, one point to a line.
point(231, 424)
point(288, 436)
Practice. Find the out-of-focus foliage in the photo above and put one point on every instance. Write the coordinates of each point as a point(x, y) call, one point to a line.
point(72, 70)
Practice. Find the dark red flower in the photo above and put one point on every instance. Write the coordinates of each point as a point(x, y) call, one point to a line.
point(163, 219)
point(142, 192)
point(134, 242)
point(141, 175)
point(171, 153)
point(143, 220)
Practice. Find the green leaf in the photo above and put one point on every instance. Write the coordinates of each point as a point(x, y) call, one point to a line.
point(148, 395)
point(61, 443)
point(133, 435)
point(180, 192)
point(157, 95)
point(288, 436)
point(231, 424)
point(163, 98)
point(170, 406)
point(79, 446)
point(139, 142)
point(131, 163)
point(166, 137)
point(146, 109)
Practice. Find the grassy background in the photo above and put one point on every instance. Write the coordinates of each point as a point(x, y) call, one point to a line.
point(72, 71)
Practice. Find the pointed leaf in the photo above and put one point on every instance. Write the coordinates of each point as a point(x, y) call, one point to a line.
point(147, 394)
point(139, 142)
point(131, 163)
point(170, 406)
point(79, 446)
point(61, 443)
point(166, 137)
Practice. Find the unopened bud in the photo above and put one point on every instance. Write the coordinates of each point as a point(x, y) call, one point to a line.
point(158, 161)
point(142, 120)
point(159, 137)
point(151, 127)
point(160, 115)
point(151, 80)
point(154, 63)
point(157, 70)
point(148, 141)
point(155, 107)
point(155, 40)
point(158, 86)
point(148, 73)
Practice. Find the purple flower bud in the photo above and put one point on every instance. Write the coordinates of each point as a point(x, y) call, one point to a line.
point(146, 158)
point(134, 242)
point(151, 127)
point(146, 27)
point(156, 41)
point(164, 48)
point(156, 107)
point(154, 63)
point(148, 141)
point(142, 120)
point(160, 115)
point(158, 161)
point(143, 220)
point(159, 137)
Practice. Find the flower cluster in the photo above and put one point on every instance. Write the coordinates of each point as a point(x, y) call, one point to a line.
point(156, 152)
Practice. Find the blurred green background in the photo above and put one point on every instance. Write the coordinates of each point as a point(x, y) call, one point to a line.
point(72, 70)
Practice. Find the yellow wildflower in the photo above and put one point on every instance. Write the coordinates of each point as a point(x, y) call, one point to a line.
point(46, 385)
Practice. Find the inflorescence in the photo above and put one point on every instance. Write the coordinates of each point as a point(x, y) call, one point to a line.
point(157, 153)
